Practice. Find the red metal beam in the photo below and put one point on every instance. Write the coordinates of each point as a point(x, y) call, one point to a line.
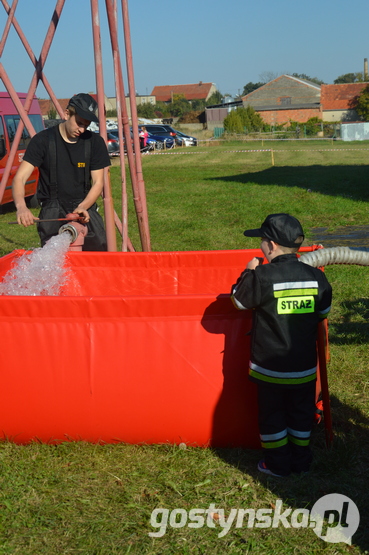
point(107, 194)
point(31, 91)
point(142, 215)
point(134, 160)
point(7, 26)
point(34, 60)
point(124, 133)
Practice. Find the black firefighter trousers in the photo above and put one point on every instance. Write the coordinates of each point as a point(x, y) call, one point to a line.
point(286, 417)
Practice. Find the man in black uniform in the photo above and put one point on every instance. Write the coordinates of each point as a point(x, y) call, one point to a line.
point(289, 299)
point(71, 162)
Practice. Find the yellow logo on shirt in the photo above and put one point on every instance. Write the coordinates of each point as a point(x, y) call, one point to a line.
point(81, 165)
point(296, 305)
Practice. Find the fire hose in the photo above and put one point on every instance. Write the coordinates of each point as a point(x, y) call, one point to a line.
point(69, 218)
point(75, 228)
point(326, 257)
point(336, 255)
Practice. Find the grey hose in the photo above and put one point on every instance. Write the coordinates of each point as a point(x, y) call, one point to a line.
point(335, 255)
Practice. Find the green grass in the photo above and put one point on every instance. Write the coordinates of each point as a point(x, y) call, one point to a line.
point(78, 498)
point(203, 198)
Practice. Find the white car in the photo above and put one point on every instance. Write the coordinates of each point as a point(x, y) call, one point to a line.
point(186, 139)
point(110, 125)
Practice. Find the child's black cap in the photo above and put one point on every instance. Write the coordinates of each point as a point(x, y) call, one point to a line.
point(280, 228)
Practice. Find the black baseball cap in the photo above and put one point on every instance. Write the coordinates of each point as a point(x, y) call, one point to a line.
point(280, 228)
point(85, 106)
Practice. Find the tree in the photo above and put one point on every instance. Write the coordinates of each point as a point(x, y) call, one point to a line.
point(111, 113)
point(249, 87)
point(146, 110)
point(162, 110)
point(268, 76)
point(179, 105)
point(52, 113)
point(349, 78)
point(215, 98)
point(251, 119)
point(233, 123)
point(243, 120)
point(307, 78)
point(362, 104)
point(197, 104)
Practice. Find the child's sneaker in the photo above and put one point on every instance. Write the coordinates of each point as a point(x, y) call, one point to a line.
point(262, 467)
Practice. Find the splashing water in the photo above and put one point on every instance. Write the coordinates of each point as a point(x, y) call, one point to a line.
point(40, 272)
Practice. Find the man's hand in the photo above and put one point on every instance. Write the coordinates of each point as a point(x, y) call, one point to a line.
point(256, 261)
point(83, 213)
point(25, 217)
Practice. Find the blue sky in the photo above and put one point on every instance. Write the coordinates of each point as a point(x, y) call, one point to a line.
point(227, 42)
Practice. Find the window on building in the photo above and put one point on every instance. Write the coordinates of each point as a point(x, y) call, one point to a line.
point(285, 100)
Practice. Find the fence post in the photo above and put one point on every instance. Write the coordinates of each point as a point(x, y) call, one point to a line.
point(271, 150)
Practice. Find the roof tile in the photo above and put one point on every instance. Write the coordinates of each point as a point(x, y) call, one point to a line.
point(191, 92)
point(339, 97)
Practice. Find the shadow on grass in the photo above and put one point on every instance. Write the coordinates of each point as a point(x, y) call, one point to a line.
point(346, 181)
point(340, 469)
point(350, 332)
point(8, 207)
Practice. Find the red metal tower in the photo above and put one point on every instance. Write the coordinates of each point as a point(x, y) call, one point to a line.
point(112, 220)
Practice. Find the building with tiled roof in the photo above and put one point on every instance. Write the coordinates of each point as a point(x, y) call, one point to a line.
point(110, 103)
point(46, 104)
point(285, 98)
point(197, 91)
point(290, 98)
point(337, 101)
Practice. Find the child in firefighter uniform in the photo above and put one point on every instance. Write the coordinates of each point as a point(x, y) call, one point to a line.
point(289, 299)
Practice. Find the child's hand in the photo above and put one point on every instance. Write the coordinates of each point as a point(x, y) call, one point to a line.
point(256, 261)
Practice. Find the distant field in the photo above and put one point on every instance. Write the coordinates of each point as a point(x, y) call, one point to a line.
point(226, 185)
point(224, 188)
point(77, 498)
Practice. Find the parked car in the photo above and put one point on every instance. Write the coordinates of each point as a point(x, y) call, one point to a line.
point(160, 130)
point(185, 140)
point(162, 141)
point(113, 144)
point(153, 143)
point(181, 139)
point(9, 121)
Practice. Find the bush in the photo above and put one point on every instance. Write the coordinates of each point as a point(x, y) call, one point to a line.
point(309, 128)
point(111, 113)
point(233, 123)
point(313, 126)
point(251, 119)
point(362, 104)
point(146, 110)
point(52, 113)
point(195, 116)
point(243, 120)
